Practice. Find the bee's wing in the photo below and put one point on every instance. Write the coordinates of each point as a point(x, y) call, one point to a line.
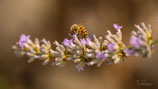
point(82, 23)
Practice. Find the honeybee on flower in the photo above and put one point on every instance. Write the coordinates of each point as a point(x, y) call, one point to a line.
point(79, 29)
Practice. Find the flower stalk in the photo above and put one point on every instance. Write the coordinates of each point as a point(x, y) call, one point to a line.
point(88, 51)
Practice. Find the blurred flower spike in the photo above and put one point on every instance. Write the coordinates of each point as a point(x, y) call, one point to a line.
point(141, 41)
point(88, 51)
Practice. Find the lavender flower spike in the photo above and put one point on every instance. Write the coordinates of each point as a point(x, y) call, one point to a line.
point(115, 45)
point(89, 51)
point(142, 40)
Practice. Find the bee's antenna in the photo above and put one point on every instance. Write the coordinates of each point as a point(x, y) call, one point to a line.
point(83, 23)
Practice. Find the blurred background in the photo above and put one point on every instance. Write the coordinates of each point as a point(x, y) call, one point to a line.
point(51, 19)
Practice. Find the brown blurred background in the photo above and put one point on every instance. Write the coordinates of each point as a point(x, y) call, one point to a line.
point(52, 19)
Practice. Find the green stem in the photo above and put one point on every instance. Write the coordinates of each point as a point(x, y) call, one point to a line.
point(126, 48)
point(155, 42)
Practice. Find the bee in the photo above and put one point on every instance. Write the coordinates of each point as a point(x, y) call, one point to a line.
point(79, 30)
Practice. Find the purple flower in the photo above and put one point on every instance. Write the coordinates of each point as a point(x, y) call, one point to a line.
point(83, 42)
point(23, 40)
point(130, 52)
point(69, 34)
point(67, 42)
point(88, 40)
point(80, 67)
point(117, 27)
point(93, 36)
point(75, 37)
point(101, 55)
point(135, 41)
point(111, 46)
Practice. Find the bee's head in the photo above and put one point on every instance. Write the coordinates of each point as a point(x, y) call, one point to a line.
point(74, 28)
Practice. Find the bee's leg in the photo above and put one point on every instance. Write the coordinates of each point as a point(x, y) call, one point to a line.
point(71, 33)
point(78, 35)
point(84, 36)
